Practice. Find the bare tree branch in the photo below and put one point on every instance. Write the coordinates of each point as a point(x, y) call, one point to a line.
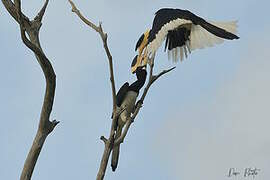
point(104, 139)
point(110, 142)
point(152, 79)
point(45, 125)
point(104, 38)
point(75, 10)
point(10, 6)
point(41, 13)
point(155, 77)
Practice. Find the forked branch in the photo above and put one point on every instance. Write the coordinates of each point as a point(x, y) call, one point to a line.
point(45, 125)
point(110, 142)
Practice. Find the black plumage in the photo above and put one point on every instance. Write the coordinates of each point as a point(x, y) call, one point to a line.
point(166, 15)
point(139, 42)
point(183, 32)
point(135, 86)
point(135, 63)
point(121, 94)
point(177, 38)
point(126, 98)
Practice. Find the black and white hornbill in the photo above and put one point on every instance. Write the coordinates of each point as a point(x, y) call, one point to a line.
point(126, 99)
point(184, 32)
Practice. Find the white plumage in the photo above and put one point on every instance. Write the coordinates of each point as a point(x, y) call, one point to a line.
point(184, 32)
point(199, 38)
point(153, 46)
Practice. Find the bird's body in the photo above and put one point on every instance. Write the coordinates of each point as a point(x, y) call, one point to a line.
point(128, 104)
point(184, 32)
point(126, 99)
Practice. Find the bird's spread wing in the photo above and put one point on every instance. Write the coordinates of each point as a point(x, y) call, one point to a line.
point(209, 34)
point(177, 43)
point(184, 32)
point(120, 96)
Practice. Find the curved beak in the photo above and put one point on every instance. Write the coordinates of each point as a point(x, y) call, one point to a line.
point(136, 64)
point(142, 56)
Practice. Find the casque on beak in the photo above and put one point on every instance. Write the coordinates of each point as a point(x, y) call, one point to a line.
point(141, 58)
point(138, 61)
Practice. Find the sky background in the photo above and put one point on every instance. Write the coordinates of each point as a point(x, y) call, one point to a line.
point(208, 115)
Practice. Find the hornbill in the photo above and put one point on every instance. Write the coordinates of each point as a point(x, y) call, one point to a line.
point(126, 99)
point(184, 32)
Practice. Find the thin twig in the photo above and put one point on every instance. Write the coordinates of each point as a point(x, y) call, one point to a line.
point(104, 139)
point(110, 140)
point(155, 77)
point(104, 38)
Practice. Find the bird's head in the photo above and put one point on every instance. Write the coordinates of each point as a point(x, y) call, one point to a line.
point(140, 60)
point(141, 78)
point(141, 73)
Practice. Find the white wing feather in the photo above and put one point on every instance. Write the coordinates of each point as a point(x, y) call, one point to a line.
point(153, 46)
point(201, 38)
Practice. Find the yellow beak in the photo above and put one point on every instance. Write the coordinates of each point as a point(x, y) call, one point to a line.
point(142, 57)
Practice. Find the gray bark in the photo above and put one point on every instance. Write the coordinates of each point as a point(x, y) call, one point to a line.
point(45, 125)
point(111, 141)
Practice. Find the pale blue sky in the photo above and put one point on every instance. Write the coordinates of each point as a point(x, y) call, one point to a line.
point(209, 114)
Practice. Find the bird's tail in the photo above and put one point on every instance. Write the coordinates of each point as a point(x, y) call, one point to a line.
point(224, 30)
point(116, 150)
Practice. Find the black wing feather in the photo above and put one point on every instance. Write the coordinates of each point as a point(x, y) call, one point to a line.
point(177, 38)
point(166, 42)
point(134, 61)
point(120, 96)
point(166, 15)
point(218, 31)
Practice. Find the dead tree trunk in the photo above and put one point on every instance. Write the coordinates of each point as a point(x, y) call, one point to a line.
point(45, 125)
